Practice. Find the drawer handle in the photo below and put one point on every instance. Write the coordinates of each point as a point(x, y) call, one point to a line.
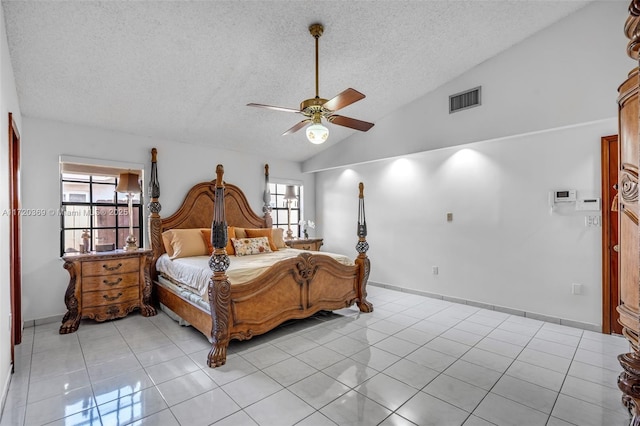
point(112, 298)
point(105, 282)
point(112, 268)
point(306, 247)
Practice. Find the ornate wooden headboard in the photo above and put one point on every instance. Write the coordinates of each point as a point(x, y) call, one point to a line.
point(196, 210)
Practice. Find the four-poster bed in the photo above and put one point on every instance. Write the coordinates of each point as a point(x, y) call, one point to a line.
point(294, 288)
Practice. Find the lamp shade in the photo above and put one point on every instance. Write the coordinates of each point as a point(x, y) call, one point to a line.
point(290, 193)
point(317, 133)
point(129, 183)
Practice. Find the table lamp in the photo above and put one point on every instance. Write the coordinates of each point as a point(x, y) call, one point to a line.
point(129, 184)
point(289, 196)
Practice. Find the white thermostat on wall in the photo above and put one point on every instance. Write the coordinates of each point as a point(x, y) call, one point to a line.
point(564, 196)
point(589, 204)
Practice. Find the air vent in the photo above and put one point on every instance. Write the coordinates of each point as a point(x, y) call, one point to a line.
point(464, 100)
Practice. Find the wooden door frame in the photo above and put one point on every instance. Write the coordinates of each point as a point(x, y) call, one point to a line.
point(15, 266)
point(607, 191)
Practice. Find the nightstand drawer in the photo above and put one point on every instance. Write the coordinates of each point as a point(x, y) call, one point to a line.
point(301, 246)
point(309, 244)
point(110, 266)
point(119, 295)
point(109, 282)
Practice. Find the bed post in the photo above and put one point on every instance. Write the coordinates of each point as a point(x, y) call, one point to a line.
point(219, 286)
point(362, 260)
point(266, 198)
point(155, 222)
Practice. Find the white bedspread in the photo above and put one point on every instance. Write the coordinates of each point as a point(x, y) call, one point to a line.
point(194, 272)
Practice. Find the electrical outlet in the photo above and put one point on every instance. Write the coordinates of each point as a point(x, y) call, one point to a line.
point(434, 270)
point(449, 217)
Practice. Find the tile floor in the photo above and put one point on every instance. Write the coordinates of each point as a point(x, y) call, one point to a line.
point(415, 360)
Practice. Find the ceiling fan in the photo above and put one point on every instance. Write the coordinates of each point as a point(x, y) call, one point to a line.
point(315, 109)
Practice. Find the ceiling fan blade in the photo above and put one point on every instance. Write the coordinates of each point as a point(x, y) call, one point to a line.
point(276, 108)
point(343, 99)
point(297, 127)
point(341, 120)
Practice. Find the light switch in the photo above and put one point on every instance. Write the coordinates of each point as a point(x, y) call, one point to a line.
point(449, 217)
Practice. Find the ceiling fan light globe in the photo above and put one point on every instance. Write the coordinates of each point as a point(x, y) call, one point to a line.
point(317, 134)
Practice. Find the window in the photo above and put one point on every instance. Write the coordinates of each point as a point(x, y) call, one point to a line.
point(89, 201)
point(279, 208)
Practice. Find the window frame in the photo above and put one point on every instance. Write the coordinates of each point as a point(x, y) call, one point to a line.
point(277, 190)
point(93, 168)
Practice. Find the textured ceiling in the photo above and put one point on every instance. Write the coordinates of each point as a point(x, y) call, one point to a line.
point(185, 71)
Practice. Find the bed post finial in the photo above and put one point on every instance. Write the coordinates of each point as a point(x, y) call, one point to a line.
point(154, 184)
point(266, 199)
point(219, 174)
point(219, 287)
point(155, 222)
point(362, 223)
point(362, 260)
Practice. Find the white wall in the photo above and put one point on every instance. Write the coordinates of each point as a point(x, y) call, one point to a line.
point(565, 75)
point(503, 246)
point(546, 103)
point(180, 166)
point(8, 103)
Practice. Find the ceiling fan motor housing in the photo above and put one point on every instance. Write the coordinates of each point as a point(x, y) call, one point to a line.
point(310, 106)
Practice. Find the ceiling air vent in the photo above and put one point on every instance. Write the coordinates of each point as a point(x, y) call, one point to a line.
point(463, 100)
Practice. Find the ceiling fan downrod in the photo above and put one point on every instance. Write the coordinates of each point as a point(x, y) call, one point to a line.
point(316, 31)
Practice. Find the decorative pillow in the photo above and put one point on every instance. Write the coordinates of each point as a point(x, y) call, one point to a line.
point(248, 246)
point(206, 236)
point(262, 232)
point(166, 240)
point(278, 237)
point(187, 242)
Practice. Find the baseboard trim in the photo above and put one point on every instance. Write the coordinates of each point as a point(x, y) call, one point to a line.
point(547, 318)
point(5, 389)
point(43, 321)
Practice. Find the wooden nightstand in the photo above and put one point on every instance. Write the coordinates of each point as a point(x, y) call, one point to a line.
point(310, 244)
point(106, 285)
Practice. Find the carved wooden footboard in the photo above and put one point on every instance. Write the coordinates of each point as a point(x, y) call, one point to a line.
point(291, 289)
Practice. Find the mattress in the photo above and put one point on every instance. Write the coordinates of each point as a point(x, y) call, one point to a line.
point(193, 273)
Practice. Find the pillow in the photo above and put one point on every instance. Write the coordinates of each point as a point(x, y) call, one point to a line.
point(206, 236)
point(240, 233)
point(248, 246)
point(166, 240)
point(262, 232)
point(187, 242)
point(278, 237)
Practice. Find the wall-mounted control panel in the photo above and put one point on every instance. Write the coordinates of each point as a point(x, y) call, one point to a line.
point(589, 204)
point(564, 196)
point(568, 199)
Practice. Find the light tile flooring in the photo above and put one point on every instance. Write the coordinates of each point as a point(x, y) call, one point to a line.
point(414, 360)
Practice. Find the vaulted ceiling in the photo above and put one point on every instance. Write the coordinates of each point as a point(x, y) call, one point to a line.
point(185, 70)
